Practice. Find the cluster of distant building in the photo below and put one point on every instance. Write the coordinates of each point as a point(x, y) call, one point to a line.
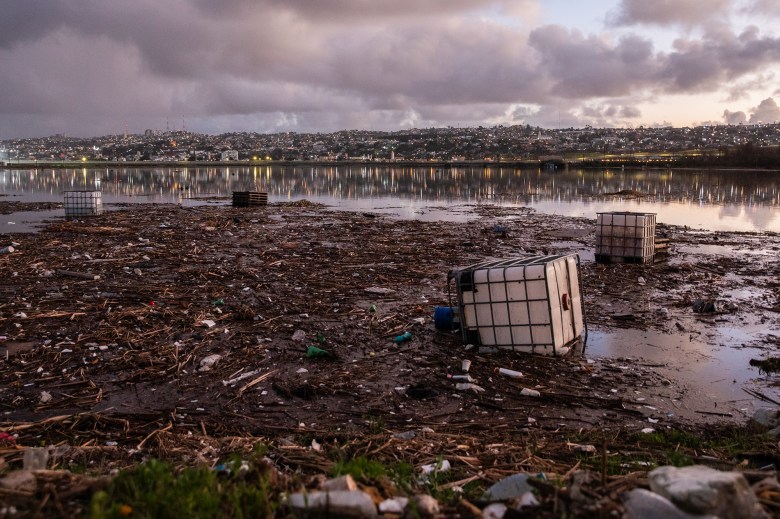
point(497, 143)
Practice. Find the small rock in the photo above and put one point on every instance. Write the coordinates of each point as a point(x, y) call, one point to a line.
point(643, 504)
point(341, 483)
point(510, 487)
point(299, 336)
point(530, 392)
point(422, 505)
point(45, 397)
point(767, 417)
point(703, 490)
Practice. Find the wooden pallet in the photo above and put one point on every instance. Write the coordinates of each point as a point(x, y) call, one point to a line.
point(661, 250)
point(249, 198)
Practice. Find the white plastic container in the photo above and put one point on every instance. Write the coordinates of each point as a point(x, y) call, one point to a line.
point(83, 203)
point(531, 304)
point(625, 237)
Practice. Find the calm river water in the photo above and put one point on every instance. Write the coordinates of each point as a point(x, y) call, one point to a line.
point(714, 200)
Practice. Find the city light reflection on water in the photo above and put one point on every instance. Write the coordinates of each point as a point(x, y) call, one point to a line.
point(716, 200)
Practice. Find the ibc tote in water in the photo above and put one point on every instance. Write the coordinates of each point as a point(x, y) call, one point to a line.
point(531, 305)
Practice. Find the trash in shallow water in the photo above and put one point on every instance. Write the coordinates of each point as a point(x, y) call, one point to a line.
point(701, 306)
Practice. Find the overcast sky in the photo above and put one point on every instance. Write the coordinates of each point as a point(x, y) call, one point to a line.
point(96, 67)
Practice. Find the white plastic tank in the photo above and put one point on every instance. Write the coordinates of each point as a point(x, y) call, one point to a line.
point(623, 237)
point(529, 304)
point(83, 203)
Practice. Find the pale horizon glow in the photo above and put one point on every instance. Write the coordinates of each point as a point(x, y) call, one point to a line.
point(99, 67)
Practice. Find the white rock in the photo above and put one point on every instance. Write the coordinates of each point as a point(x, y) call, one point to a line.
point(424, 506)
point(393, 505)
point(339, 503)
point(45, 397)
point(703, 490)
point(299, 335)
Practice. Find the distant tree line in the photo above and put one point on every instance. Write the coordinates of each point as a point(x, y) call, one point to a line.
point(746, 155)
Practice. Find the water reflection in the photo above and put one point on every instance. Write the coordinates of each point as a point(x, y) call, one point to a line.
point(724, 200)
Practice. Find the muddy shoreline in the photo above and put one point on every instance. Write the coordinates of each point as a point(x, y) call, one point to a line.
point(129, 331)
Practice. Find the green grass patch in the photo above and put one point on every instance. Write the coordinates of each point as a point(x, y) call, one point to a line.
point(154, 490)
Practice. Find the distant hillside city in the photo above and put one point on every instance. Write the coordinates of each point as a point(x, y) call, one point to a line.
point(756, 145)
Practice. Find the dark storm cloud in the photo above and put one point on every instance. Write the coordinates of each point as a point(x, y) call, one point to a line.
point(764, 8)
point(766, 112)
point(734, 117)
point(302, 64)
point(588, 66)
point(668, 12)
point(704, 64)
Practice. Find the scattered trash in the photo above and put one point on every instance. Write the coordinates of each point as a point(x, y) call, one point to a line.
point(701, 306)
point(35, 458)
point(208, 323)
point(302, 370)
point(445, 318)
point(510, 373)
point(465, 386)
point(299, 335)
point(45, 397)
point(530, 392)
point(584, 449)
point(379, 290)
point(339, 503)
point(209, 362)
point(7, 250)
point(439, 466)
point(465, 365)
point(315, 352)
point(641, 281)
point(406, 435)
point(406, 336)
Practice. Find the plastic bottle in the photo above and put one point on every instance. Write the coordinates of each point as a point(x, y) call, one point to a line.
point(510, 373)
point(406, 336)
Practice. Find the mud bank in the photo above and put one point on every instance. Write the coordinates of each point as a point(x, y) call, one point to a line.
point(129, 331)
